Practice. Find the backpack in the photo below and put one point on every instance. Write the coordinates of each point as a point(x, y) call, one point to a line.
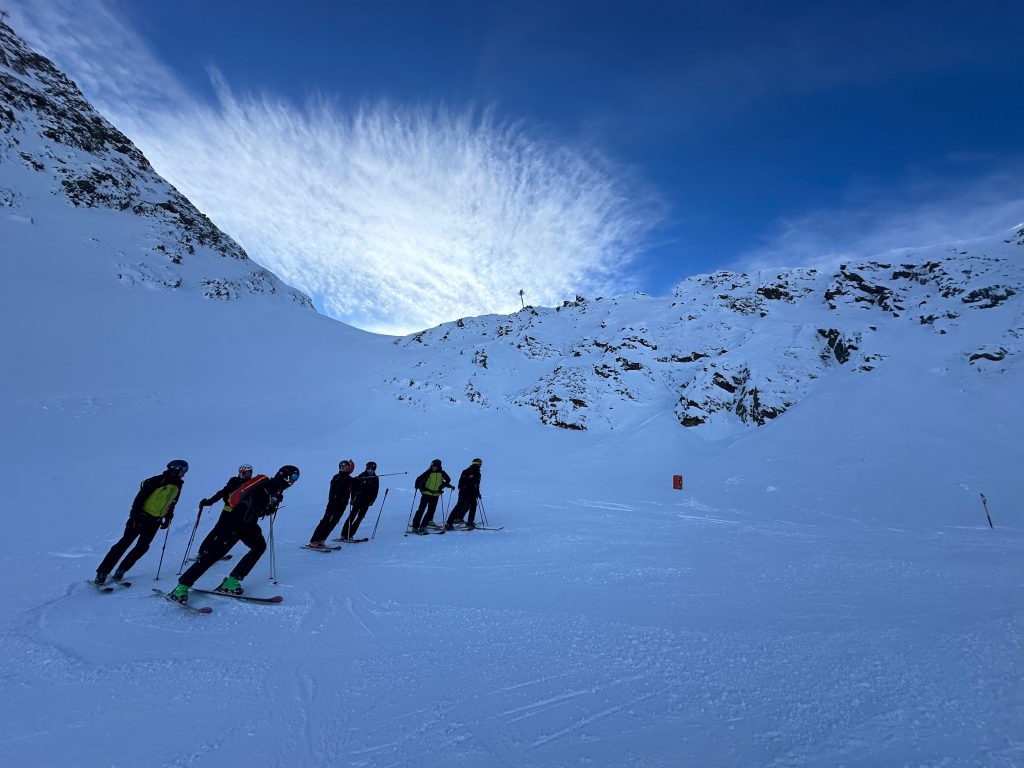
point(236, 495)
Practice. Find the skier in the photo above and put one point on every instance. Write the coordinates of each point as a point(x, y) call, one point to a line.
point(366, 486)
point(431, 485)
point(153, 508)
point(260, 499)
point(469, 492)
point(337, 499)
point(244, 475)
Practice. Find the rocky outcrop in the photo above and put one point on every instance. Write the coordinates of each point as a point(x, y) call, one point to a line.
point(48, 128)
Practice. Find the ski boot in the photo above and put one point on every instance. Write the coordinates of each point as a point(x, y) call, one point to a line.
point(118, 576)
point(230, 586)
point(470, 526)
point(314, 545)
point(179, 594)
point(101, 578)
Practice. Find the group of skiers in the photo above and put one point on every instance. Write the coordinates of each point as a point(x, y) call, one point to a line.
point(247, 499)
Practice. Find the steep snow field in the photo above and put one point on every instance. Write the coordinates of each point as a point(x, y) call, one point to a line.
point(825, 591)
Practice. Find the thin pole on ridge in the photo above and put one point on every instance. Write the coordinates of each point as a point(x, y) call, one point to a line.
point(374, 534)
point(273, 551)
point(167, 532)
point(408, 523)
point(190, 540)
point(984, 503)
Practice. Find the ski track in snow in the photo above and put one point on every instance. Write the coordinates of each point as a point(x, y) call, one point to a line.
point(375, 665)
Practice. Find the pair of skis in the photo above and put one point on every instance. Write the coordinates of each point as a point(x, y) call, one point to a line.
point(329, 548)
point(108, 586)
point(206, 609)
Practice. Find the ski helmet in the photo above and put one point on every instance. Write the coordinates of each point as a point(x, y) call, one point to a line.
point(244, 469)
point(371, 465)
point(289, 473)
point(178, 465)
point(346, 465)
point(478, 462)
point(435, 463)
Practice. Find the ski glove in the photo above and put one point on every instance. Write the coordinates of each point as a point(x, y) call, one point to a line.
point(165, 521)
point(205, 503)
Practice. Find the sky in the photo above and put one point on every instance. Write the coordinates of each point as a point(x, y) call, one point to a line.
point(407, 163)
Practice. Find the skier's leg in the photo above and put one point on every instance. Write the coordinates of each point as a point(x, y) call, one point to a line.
point(455, 516)
point(424, 500)
point(252, 537)
point(147, 526)
point(218, 548)
point(431, 508)
point(214, 533)
point(120, 547)
point(472, 512)
point(326, 525)
point(346, 529)
point(358, 514)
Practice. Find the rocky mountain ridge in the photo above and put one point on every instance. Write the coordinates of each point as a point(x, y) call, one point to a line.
point(728, 349)
point(60, 160)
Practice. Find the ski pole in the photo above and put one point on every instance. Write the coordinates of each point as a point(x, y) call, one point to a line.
point(408, 524)
point(483, 513)
point(167, 532)
point(273, 551)
point(374, 534)
point(190, 540)
point(984, 503)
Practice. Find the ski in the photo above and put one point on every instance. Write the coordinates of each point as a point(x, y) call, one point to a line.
point(101, 588)
point(196, 557)
point(351, 541)
point(248, 598)
point(321, 549)
point(428, 532)
point(186, 606)
point(482, 528)
point(123, 584)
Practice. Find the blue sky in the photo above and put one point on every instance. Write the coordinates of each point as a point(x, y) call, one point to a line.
point(743, 134)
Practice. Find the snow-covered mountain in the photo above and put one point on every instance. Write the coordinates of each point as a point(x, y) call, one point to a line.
point(729, 349)
point(55, 148)
point(825, 591)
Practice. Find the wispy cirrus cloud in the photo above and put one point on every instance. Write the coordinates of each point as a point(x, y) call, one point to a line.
point(918, 213)
point(394, 218)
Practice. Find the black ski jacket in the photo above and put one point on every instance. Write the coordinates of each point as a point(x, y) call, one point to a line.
point(340, 492)
point(469, 482)
point(259, 500)
point(365, 490)
point(224, 493)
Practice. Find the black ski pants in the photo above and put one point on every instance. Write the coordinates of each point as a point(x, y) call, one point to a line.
point(428, 504)
point(218, 530)
point(355, 517)
point(462, 506)
point(231, 533)
point(330, 519)
point(142, 527)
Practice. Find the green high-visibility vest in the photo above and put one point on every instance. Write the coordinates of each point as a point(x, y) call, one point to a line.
point(160, 500)
point(433, 485)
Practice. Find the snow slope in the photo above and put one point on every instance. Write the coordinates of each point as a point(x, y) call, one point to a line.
point(824, 592)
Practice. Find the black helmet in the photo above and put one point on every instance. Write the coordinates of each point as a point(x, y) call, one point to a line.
point(435, 463)
point(178, 465)
point(478, 462)
point(346, 465)
point(288, 473)
point(371, 465)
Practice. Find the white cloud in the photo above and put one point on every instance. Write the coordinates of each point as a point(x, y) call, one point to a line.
point(393, 218)
point(920, 213)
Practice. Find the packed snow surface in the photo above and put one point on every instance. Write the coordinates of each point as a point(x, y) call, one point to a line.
point(825, 590)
